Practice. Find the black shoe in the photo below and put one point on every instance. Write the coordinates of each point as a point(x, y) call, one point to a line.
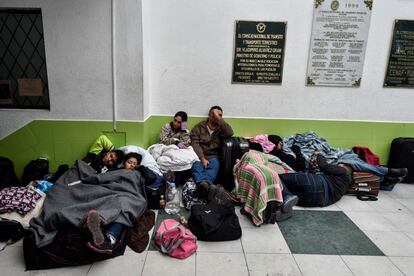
point(398, 172)
point(390, 180)
point(289, 202)
point(281, 216)
point(202, 190)
point(217, 194)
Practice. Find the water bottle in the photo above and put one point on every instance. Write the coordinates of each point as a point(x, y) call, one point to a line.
point(173, 200)
point(162, 202)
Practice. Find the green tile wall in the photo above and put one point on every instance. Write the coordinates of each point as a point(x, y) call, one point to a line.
point(65, 141)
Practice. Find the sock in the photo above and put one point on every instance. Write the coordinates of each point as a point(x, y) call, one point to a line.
point(111, 238)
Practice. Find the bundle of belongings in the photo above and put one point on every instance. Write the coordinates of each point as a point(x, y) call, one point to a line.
point(173, 158)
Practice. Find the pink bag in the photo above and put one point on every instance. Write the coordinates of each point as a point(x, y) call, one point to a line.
point(175, 240)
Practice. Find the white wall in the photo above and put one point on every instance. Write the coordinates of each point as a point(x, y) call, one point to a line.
point(191, 62)
point(177, 54)
point(77, 37)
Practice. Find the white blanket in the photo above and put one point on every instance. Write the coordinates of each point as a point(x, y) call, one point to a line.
point(172, 158)
point(147, 159)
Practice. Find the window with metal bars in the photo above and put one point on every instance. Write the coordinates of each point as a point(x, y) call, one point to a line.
point(23, 74)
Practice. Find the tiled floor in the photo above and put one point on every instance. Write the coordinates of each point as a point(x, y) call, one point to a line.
point(388, 222)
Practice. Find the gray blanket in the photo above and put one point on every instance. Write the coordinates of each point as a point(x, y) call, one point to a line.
point(118, 196)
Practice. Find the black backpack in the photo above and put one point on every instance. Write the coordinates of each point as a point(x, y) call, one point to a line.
point(35, 170)
point(8, 176)
point(214, 222)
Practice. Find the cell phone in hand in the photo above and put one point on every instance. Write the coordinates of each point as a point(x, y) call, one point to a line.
point(184, 126)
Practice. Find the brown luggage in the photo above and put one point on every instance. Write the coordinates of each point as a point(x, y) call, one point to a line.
point(365, 185)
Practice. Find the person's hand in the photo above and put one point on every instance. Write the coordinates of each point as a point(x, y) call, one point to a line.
point(184, 126)
point(217, 114)
point(313, 162)
point(205, 162)
point(176, 141)
point(296, 149)
point(181, 146)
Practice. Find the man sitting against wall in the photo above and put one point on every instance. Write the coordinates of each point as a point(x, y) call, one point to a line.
point(207, 138)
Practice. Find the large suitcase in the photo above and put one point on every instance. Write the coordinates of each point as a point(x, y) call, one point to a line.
point(233, 149)
point(402, 156)
point(8, 176)
point(67, 249)
point(11, 230)
point(365, 185)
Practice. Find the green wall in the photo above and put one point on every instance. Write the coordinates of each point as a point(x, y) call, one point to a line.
point(62, 142)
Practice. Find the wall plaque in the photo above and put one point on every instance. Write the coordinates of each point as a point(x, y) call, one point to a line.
point(400, 70)
point(338, 42)
point(259, 52)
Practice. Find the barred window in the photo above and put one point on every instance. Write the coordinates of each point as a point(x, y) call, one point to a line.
point(23, 74)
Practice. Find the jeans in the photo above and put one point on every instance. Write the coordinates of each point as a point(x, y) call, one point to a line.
point(362, 166)
point(311, 189)
point(114, 229)
point(208, 174)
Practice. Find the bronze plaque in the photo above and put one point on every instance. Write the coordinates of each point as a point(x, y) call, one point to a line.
point(259, 51)
point(400, 70)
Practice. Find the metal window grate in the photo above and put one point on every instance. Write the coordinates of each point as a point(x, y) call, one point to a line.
point(22, 56)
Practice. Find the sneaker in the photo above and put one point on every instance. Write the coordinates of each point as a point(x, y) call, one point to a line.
point(93, 222)
point(401, 172)
point(289, 202)
point(104, 248)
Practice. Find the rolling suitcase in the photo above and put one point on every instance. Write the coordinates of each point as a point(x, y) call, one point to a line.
point(233, 149)
point(365, 185)
point(402, 156)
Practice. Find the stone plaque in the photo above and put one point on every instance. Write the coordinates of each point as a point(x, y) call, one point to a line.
point(259, 51)
point(400, 70)
point(338, 42)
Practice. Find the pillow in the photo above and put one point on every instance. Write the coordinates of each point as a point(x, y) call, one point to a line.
point(147, 159)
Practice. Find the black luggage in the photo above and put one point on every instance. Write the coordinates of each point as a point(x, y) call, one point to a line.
point(35, 170)
point(11, 230)
point(8, 176)
point(233, 149)
point(154, 195)
point(214, 222)
point(67, 249)
point(402, 156)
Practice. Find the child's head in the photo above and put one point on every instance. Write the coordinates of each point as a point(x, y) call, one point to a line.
point(132, 160)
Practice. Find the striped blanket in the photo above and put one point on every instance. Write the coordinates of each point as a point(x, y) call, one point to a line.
point(258, 184)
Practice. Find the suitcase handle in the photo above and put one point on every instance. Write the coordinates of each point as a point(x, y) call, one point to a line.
point(366, 197)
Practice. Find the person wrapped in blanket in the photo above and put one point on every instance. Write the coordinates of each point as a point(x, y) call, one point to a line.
point(259, 189)
point(176, 132)
point(102, 156)
point(105, 238)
